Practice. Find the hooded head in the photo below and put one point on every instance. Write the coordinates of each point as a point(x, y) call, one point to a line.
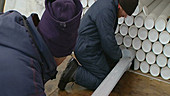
point(59, 25)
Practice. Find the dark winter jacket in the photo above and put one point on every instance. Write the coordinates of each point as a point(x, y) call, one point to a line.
point(15, 36)
point(96, 35)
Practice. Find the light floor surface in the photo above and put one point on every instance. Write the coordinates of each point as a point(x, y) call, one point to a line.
point(131, 84)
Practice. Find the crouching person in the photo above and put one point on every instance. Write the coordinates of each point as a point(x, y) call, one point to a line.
point(96, 47)
point(31, 49)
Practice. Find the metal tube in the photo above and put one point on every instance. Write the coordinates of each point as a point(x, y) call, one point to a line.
point(123, 29)
point(127, 41)
point(146, 2)
point(129, 20)
point(151, 18)
point(144, 67)
point(157, 47)
point(140, 55)
point(165, 73)
point(148, 9)
point(164, 37)
point(136, 64)
point(119, 38)
point(168, 26)
point(138, 9)
point(139, 20)
point(169, 62)
point(153, 35)
point(136, 43)
point(166, 50)
point(140, 6)
point(154, 70)
point(133, 31)
point(160, 23)
point(146, 45)
point(117, 29)
point(161, 60)
point(150, 58)
point(142, 33)
point(121, 20)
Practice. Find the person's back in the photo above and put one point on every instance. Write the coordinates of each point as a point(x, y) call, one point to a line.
point(96, 47)
point(91, 38)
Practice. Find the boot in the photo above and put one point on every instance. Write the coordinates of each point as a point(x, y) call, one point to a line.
point(68, 74)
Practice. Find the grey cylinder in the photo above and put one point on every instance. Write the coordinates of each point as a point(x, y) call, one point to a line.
point(153, 35)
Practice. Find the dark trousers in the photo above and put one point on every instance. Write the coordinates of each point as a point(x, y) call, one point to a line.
point(90, 75)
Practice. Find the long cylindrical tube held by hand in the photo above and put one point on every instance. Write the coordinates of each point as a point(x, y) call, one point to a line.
point(113, 77)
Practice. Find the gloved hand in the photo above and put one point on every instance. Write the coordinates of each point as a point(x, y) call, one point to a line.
point(126, 53)
point(129, 53)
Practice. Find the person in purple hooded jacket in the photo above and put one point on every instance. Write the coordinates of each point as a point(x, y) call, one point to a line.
point(31, 49)
point(96, 47)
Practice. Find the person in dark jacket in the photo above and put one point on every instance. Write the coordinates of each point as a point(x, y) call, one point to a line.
point(96, 47)
point(31, 49)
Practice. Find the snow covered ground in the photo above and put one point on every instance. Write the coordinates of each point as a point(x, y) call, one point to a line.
point(26, 7)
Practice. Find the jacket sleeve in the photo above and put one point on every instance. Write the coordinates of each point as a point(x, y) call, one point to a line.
point(105, 21)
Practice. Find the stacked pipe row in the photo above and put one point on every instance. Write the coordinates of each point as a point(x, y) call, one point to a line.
point(148, 32)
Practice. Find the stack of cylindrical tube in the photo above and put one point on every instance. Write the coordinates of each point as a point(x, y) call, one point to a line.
point(148, 32)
